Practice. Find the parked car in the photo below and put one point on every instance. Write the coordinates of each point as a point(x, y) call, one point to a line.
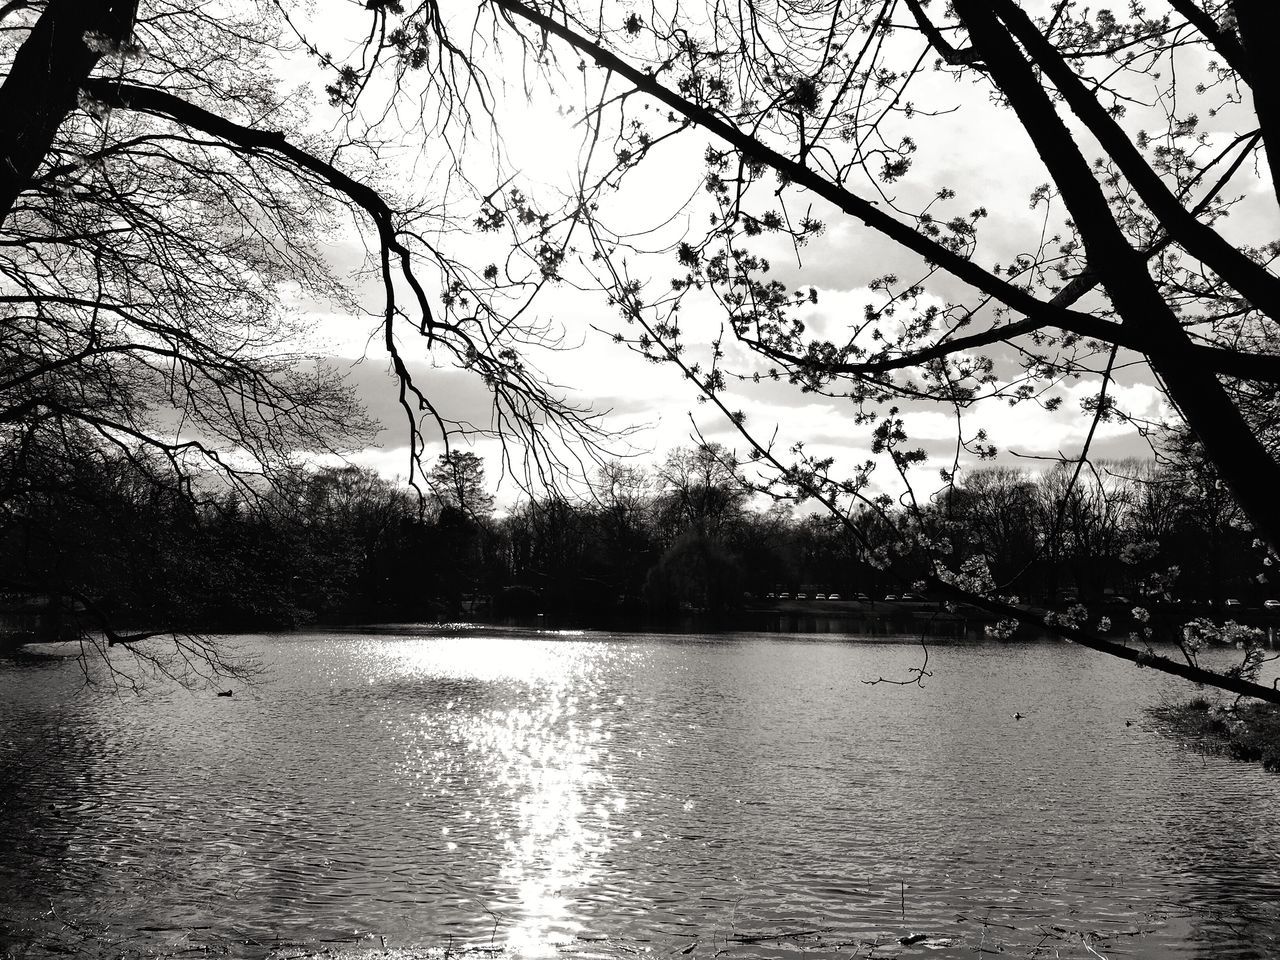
point(819, 596)
point(802, 596)
point(833, 596)
point(1232, 603)
point(770, 596)
point(891, 596)
point(911, 596)
point(1271, 604)
point(862, 598)
point(784, 596)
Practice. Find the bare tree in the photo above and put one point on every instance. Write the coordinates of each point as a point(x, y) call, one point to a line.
point(165, 204)
point(995, 507)
point(1083, 520)
point(700, 489)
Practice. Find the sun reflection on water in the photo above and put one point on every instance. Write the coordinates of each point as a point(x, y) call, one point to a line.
point(521, 744)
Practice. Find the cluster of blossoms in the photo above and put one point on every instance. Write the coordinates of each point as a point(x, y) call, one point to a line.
point(973, 576)
point(1074, 617)
point(1201, 632)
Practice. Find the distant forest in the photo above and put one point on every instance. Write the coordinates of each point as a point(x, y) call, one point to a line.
point(341, 544)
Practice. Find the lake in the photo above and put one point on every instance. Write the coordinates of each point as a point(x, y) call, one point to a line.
point(607, 795)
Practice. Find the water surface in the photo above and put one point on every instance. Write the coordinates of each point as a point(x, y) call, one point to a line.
point(609, 794)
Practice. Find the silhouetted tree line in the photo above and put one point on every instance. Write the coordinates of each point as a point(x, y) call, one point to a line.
point(685, 535)
point(340, 544)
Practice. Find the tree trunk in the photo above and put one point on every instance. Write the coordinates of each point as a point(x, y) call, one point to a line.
point(1257, 22)
point(1231, 442)
point(44, 83)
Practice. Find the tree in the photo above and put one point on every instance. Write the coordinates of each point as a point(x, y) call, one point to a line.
point(457, 481)
point(1086, 516)
point(696, 572)
point(1210, 527)
point(700, 490)
point(345, 523)
point(165, 189)
point(165, 204)
point(803, 114)
point(995, 507)
point(624, 524)
point(554, 540)
point(808, 112)
point(767, 549)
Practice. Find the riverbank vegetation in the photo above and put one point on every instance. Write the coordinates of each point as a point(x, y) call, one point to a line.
point(1243, 731)
point(341, 544)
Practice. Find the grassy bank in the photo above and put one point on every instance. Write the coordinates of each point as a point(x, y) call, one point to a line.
point(1249, 732)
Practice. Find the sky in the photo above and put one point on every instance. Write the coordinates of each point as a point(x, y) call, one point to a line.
point(975, 150)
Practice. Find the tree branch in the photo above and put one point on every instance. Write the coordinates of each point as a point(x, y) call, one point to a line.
point(1252, 280)
point(1258, 22)
point(1042, 313)
point(45, 78)
point(161, 103)
point(947, 50)
point(1246, 465)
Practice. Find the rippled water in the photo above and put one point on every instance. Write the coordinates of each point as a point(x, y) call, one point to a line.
point(611, 795)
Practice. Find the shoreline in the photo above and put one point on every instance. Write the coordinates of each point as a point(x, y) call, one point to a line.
point(1245, 732)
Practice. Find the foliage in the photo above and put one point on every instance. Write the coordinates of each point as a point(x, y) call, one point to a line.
point(694, 573)
point(338, 544)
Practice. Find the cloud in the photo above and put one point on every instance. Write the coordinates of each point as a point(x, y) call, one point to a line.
point(457, 394)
